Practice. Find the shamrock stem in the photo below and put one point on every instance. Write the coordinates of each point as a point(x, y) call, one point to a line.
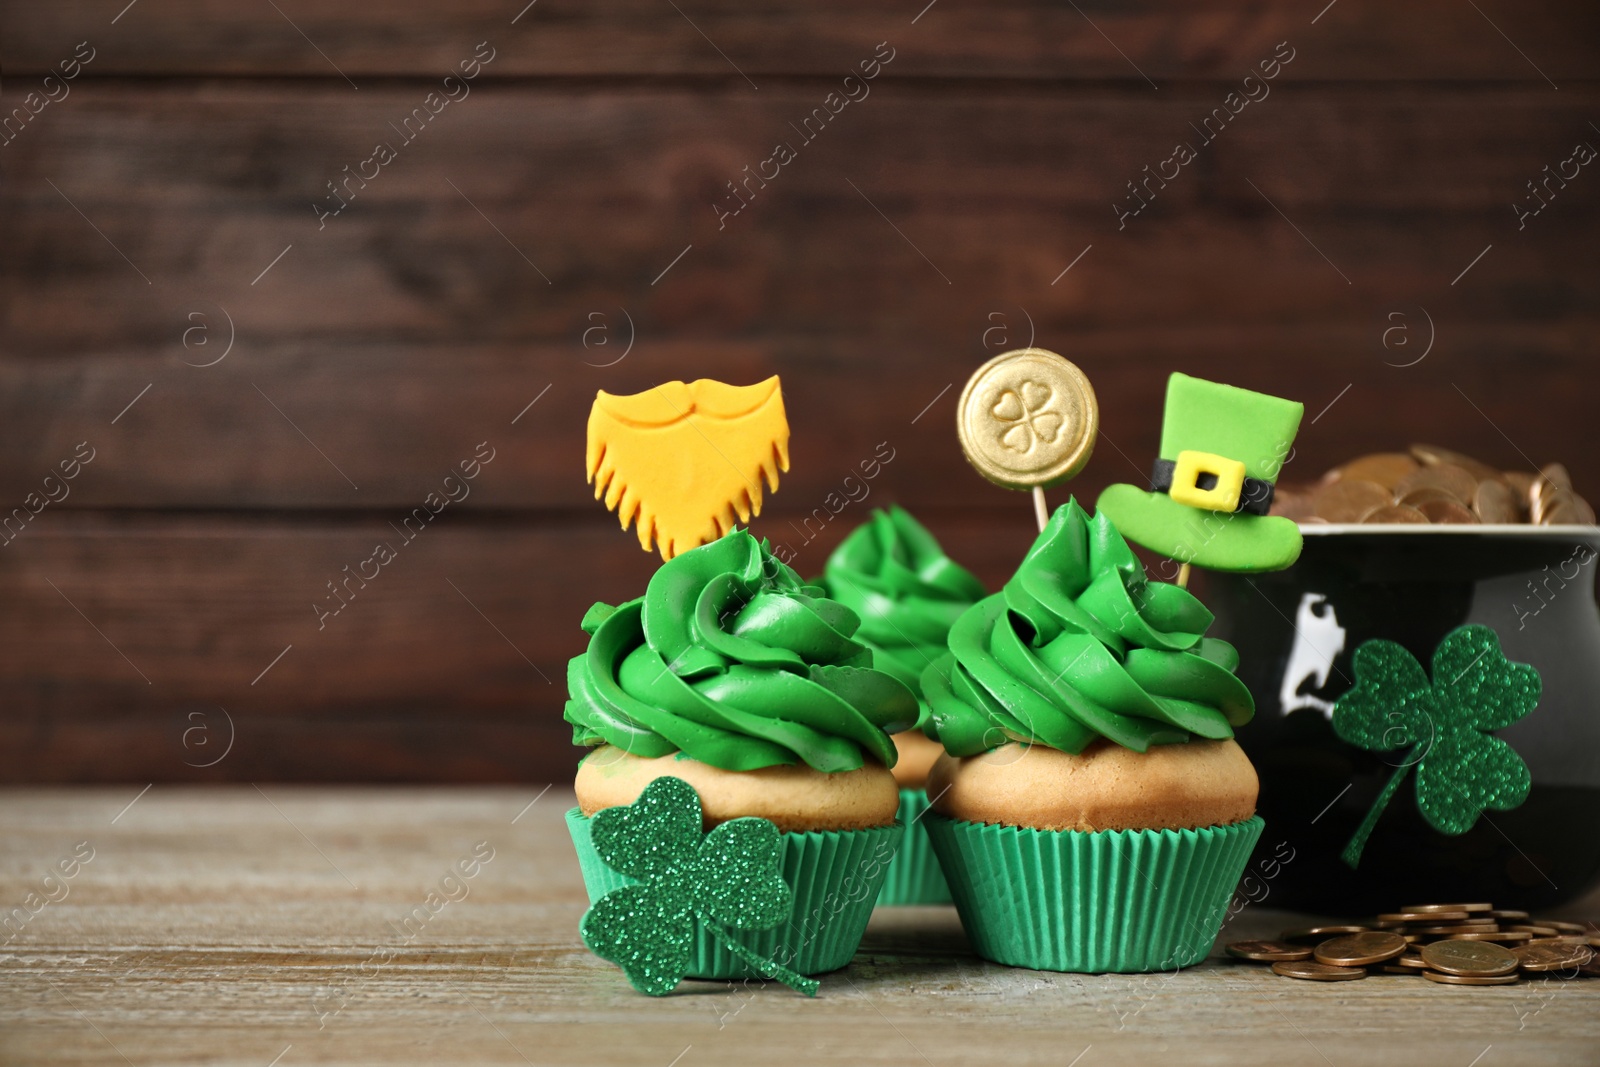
point(1352, 852)
point(770, 968)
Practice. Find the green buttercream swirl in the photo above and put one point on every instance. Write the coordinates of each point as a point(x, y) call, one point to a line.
point(893, 573)
point(1080, 646)
point(732, 660)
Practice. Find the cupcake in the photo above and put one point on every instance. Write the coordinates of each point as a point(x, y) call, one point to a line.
point(1092, 812)
point(732, 674)
point(893, 574)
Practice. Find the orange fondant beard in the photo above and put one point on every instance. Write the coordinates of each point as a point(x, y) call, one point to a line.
point(685, 462)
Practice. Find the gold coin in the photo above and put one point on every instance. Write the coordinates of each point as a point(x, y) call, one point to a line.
point(1028, 418)
point(1503, 937)
point(1458, 956)
point(1349, 499)
point(1359, 950)
point(1536, 493)
point(1448, 512)
point(1269, 951)
point(1409, 962)
point(1536, 929)
point(1555, 507)
point(1452, 479)
point(1507, 914)
point(1428, 913)
point(1394, 513)
point(1438, 910)
point(1320, 933)
point(1488, 926)
point(1494, 502)
point(1574, 511)
point(1563, 927)
point(1470, 979)
point(1561, 507)
point(1550, 956)
point(1434, 456)
point(1550, 486)
point(1521, 485)
point(1317, 972)
point(1556, 475)
point(1384, 468)
point(1424, 494)
point(1292, 504)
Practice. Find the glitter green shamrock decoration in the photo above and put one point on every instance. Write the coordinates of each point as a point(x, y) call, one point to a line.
point(726, 879)
point(1461, 768)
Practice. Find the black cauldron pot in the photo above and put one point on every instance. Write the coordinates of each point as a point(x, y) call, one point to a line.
point(1296, 631)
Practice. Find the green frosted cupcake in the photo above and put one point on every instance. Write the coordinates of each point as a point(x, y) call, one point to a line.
point(893, 574)
point(1092, 812)
point(732, 674)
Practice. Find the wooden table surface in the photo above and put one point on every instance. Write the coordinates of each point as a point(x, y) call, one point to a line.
point(266, 926)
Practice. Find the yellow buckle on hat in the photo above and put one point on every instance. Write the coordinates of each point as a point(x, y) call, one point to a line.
point(1226, 474)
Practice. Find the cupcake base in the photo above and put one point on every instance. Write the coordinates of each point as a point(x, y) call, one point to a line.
point(915, 876)
point(836, 876)
point(1115, 900)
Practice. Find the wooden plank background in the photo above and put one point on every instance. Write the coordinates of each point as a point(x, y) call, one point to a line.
point(553, 232)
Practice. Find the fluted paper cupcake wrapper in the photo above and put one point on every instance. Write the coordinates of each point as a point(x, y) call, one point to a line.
point(835, 875)
point(914, 875)
point(1115, 900)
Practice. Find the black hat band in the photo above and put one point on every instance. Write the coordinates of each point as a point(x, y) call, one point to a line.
point(1255, 498)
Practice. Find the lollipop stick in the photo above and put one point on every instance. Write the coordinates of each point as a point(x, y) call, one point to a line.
point(1040, 510)
point(1183, 576)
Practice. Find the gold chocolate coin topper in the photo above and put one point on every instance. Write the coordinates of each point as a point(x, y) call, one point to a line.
point(1028, 419)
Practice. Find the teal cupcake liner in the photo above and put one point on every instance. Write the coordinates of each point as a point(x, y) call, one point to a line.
point(1115, 900)
point(835, 875)
point(914, 874)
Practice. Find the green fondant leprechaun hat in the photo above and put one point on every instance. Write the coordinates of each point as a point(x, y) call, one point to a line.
point(1221, 450)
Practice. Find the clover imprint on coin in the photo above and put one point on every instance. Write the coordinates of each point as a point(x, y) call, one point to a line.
point(1027, 416)
point(1027, 419)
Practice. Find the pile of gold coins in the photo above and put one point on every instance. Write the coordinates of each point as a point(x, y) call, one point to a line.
point(1452, 944)
point(1435, 485)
